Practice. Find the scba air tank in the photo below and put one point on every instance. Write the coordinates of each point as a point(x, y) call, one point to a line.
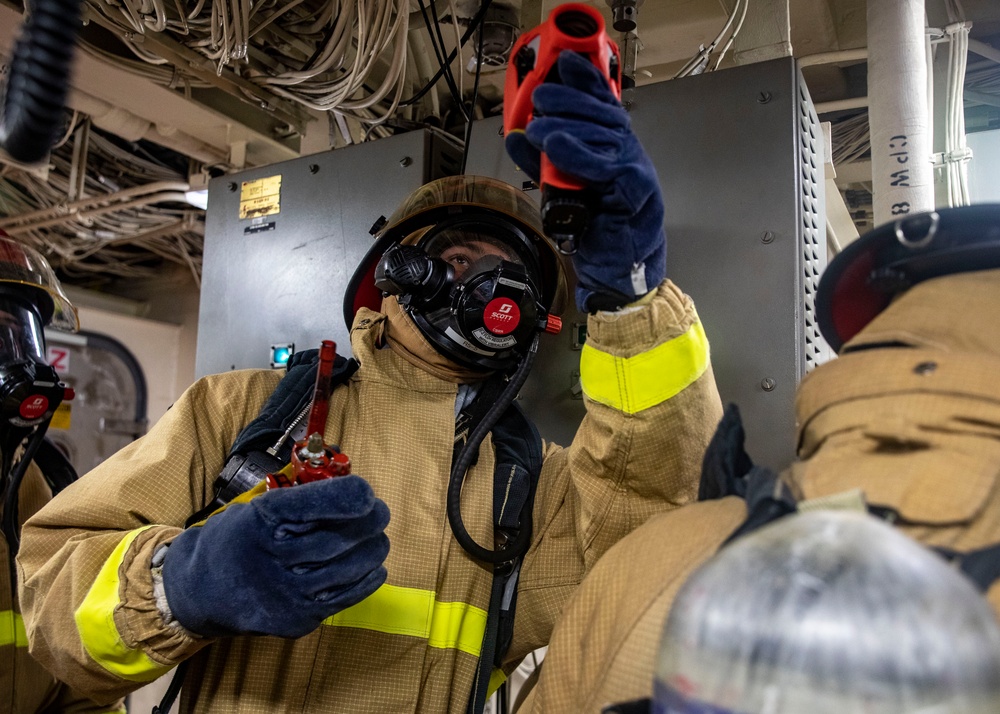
point(828, 612)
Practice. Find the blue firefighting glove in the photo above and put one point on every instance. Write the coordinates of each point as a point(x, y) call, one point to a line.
point(281, 563)
point(586, 133)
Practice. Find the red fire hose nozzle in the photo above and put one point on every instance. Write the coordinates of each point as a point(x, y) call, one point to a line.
point(312, 459)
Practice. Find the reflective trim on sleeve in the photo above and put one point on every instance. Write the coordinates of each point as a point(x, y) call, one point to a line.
point(95, 623)
point(417, 613)
point(497, 678)
point(12, 629)
point(631, 384)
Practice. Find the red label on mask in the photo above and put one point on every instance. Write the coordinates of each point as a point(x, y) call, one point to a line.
point(34, 406)
point(501, 316)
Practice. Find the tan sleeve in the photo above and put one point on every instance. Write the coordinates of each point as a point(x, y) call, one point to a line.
point(86, 583)
point(68, 701)
point(604, 648)
point(652, 407)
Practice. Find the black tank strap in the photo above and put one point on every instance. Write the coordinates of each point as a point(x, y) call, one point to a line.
point(517, 447)
point(55, 466)
point(981, 566)
point(726, 463)
point(727, 470)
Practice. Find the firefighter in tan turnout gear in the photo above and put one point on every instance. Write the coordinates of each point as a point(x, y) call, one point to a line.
point(392, 590)
point(908, 416)
point(30, 468)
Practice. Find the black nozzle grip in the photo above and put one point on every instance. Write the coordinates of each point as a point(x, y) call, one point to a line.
point(565, 217)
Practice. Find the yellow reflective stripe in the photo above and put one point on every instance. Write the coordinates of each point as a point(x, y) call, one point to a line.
point(12, 629)
point(95, 623)
point(497, 677)
point(417, 613)
point(631, 384)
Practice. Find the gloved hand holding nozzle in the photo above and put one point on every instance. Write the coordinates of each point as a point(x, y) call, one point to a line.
point(281, 563)
point(582, 128)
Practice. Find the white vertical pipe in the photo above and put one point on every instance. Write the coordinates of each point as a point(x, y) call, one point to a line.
point(897, 112)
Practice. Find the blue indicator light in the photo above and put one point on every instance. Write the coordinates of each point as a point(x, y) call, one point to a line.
point(280, 354)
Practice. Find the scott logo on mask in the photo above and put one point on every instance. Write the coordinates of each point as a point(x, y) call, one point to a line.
point(501, 316)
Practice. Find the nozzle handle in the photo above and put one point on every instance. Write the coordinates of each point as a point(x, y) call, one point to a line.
point(565, 214)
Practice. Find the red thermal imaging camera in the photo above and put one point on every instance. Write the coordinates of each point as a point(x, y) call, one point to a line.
point(579, 28)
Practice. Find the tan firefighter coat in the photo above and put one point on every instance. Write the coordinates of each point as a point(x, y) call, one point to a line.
point(25, 686)
point(915, 426)
point(413, 646)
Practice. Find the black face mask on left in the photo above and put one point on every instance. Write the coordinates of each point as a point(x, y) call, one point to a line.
point(30, 389)
point(484, 319)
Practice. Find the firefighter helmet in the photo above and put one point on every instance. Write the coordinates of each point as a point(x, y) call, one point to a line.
point(461, 220)
point(864, 278)
point(24, 270)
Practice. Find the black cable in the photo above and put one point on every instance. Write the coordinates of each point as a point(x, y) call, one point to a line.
point(474, 25)
point(445, 59)
point(9, 522)
point(173, 689)
point(458, 94)
point(469, 452)
point(439, 53)
point(472, 108)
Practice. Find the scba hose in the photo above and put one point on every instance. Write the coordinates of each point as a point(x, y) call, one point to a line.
point(38, 80)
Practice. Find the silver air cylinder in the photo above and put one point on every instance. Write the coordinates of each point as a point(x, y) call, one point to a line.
point(829, 612)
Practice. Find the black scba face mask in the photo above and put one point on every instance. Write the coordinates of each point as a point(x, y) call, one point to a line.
point(30, 389)
point(474, 296)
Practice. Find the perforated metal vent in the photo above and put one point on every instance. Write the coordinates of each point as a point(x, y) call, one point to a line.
point(815, 349)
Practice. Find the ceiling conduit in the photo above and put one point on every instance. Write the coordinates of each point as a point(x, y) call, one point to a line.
point(130, 127)
point(899, 120)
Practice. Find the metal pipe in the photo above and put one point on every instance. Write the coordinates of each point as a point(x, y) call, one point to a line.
point(984, 50)
point(902, 180)
point(128, 126)
point(842, 104)
point(856, 55)
point(982, 98)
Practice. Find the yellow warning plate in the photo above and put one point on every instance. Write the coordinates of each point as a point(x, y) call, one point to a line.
point(261, 197)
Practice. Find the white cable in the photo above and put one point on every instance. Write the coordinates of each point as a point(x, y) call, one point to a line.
point(959, 152)
point(697, 64)
point(424, 69)
point(739, 26)
point(101, 234)
point(355, 39)
point(458, 48)
point(69, 130)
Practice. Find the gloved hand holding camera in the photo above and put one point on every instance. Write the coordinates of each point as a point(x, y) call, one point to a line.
point(281, 563)
point(584, 131)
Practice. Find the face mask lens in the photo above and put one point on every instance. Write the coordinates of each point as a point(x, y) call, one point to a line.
point(462, 248)
point(20, 333)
